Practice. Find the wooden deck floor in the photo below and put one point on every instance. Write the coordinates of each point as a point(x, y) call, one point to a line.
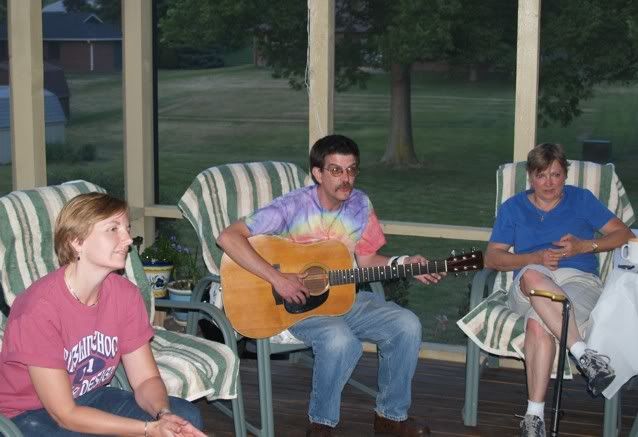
point(438, 390)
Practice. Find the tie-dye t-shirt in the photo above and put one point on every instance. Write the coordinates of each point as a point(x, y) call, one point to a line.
point(298, 216)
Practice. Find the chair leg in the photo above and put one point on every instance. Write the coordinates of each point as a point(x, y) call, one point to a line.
point(611, 423)
point(634, 428)
point(236, 412)
point(239, 415)
point(265, 389)
point(472, 375)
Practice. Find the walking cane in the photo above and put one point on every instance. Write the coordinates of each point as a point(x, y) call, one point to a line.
point(557, 414)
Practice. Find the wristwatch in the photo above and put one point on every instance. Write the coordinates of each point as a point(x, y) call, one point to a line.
point(594, 247)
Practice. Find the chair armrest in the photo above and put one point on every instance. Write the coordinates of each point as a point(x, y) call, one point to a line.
point(208, 311)
point(8, 428)
point(202, 286)
point(482, 285)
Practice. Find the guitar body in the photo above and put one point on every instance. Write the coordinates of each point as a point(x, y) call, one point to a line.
point(255, 310)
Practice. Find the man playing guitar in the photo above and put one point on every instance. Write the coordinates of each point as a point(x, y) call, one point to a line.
point(333, 209)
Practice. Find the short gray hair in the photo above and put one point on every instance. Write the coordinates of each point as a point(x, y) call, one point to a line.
point(541, 157)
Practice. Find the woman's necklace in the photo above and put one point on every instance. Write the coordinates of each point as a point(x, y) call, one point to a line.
point(75, 295)
point(542, 213)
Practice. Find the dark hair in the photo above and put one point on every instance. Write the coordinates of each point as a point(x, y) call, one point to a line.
point(541, 157)
point(328, 145)
point(77, 218)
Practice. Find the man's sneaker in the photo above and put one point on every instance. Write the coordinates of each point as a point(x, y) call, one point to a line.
point(532, 426)
point(595, 367)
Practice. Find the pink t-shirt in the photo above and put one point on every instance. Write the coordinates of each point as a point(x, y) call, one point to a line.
point(49, 328)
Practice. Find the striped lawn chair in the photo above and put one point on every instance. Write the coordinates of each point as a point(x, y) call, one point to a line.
point(215, 199)
point(489, 324)
point(219, 196)
point(191, 367)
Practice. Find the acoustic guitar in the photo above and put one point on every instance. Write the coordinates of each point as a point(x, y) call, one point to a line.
point(256, 310)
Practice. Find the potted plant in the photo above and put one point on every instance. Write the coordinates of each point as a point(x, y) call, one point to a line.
point(158, 260)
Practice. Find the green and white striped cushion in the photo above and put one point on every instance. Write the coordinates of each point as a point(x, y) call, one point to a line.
point(220, 195)
point(193, 367)
point(27, 219)
point(491, 325)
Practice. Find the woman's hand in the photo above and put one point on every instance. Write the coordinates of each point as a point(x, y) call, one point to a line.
point(549, 258)
point(568, 245)
point(170, 425)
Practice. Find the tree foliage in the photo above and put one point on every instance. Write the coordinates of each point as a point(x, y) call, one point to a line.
point(107, 10)
point(77, 6)
point(372, 33)
point(484, 35)
point(583, 43)
point(206, 23)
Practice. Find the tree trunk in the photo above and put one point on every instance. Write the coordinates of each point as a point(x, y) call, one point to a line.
point(400, 147)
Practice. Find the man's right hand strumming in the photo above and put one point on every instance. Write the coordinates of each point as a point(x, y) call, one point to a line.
point(291, 288)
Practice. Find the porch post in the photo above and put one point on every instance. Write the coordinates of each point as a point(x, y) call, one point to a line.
point(321, 16)
point(28, 155)
point(527, 60)
point(138, 114)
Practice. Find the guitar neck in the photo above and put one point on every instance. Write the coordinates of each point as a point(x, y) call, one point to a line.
point(382, 273)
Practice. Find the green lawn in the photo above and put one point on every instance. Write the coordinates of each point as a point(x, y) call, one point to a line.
point(462, 132)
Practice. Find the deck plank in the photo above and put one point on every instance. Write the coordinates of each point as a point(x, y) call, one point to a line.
point(438, 391)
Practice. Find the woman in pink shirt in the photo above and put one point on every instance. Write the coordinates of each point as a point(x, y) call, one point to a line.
point(68, 332)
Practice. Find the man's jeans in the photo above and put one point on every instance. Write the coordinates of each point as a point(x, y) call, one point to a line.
point(336, 344)
point(110, 399)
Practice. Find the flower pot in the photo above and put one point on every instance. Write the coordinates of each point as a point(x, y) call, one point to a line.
point(180, 291)
point(158, 273)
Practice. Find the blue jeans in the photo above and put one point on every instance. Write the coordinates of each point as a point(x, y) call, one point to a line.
point(110, 399)
point(336, 344)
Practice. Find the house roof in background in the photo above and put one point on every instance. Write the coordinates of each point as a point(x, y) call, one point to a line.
point(59, 6)
point(53, 112)
point(55, 7)
point(74, 26)
point(54, 78)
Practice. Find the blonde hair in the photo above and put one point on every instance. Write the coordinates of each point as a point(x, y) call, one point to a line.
point(77, 218)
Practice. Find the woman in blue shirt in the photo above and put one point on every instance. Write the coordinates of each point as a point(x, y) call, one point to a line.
point(552, 229)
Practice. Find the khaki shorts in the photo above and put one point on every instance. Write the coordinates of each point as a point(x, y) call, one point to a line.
point(582, 289)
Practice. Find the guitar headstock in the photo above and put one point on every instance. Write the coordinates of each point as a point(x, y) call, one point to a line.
point(465, 262)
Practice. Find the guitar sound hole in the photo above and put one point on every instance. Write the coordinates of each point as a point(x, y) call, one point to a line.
point(316, 280)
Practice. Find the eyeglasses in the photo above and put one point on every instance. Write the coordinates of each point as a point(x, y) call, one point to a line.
point(337, 171)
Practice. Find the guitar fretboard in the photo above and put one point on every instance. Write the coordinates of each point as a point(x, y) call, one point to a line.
point(381, 273)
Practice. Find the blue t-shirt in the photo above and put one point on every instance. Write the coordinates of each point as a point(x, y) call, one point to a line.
point(519, 224)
